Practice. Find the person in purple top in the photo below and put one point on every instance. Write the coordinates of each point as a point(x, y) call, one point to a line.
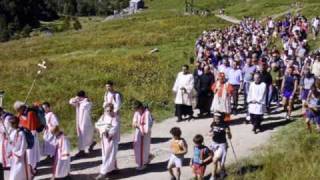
point(288, 89)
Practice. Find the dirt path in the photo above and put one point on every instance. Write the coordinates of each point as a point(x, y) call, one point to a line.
point(244, 142)
point(237, 21)
point(228, 18)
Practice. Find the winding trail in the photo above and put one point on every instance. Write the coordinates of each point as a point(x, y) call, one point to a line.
point(244, 142)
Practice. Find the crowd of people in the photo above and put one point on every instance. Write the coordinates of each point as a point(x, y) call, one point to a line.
point(239, 59)
point(244, 59)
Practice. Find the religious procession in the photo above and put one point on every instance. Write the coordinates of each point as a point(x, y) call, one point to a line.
point(230, 63)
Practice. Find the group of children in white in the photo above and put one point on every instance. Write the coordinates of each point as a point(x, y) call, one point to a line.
point(244, 46)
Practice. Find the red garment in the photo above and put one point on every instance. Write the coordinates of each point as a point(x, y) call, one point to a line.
point(30, 121)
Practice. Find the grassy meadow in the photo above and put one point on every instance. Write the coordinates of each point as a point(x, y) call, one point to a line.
point(114, 50)
point(118, 50)
point(292, 154)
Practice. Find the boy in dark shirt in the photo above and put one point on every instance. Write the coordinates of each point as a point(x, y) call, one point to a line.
point(219, 132)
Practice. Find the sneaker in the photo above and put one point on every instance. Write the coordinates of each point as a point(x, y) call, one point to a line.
point(212, 178)
point(141, 168)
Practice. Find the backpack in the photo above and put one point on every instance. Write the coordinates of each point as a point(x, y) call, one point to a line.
point(204, 154)
point(40, 116)
point(29, 137)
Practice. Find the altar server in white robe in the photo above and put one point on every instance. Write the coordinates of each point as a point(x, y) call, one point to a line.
point(256, 100)
point(61, 166)
point(84, 124)
point(5, 130)
point(142, 122)
point(20, 170)
point(113, 97)
point(48, 138)
point(183, 87)
point(108, 126)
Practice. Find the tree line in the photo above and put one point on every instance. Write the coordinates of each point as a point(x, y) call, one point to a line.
point(19, 17)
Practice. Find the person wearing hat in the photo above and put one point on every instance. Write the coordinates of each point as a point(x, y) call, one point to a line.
point(142, 124)
point(84, 124)
point(28, 119)
point(222, 96)
point(113, 97)
point(219, 133)
point(19, 164)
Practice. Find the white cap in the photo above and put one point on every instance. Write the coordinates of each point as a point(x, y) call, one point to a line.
point(17, 105)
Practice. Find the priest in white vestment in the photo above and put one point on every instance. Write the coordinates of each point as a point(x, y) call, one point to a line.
point(62, 159)
point(256, 100)
point(183, 87)
point(109, 127)
point(5, 130)
point(48, 138)
point(20, 168)
point(84, 124)
point(142, 122)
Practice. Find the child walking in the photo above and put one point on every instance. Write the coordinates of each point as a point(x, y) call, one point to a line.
point(178, 147)
point(201, 157)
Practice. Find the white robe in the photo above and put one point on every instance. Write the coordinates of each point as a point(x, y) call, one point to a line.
point(19, 167)
point(114, 99)
point(48, 137)
point(183, 81)
point(142, 137)
point(257, 92)
point(34, 154)
point(61, 167)
point(109, 144)
point(5, 149)
point(83, 122)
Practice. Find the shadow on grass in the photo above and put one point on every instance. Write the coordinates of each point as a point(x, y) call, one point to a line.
point(248, 169)
point(272, 125)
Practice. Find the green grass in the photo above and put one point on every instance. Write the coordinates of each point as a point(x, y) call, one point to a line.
point(292, 154)
point(116, 50)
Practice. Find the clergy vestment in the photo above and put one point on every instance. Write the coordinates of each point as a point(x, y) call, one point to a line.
point(222, 97)
point(61, 166)
point(83, 122)
point(5, 149)
point(183, 98)
point(256, 100)
point(113, 98)
point(29, 120)
point(142, 137)
point(48, 137)
point(109, 143)
point(20, 169)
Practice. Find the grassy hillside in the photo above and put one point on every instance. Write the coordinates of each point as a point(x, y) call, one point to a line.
point(114, 50)
point(292, 154)
point(117, 50)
